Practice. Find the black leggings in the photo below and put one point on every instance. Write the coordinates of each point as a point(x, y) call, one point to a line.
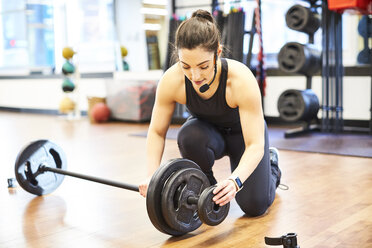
point(203, 143)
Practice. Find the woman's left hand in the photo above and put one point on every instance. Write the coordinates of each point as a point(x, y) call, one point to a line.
point(224, 192)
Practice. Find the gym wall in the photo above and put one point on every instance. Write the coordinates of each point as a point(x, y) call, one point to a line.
point(45, 93)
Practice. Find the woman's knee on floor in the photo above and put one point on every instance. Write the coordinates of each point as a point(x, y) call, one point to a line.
point(251, 205)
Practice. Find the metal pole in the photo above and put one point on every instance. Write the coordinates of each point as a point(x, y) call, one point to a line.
point(339, 73)
point(370, 121)
point(91, 178)
point(332, 68)
point(325, 67)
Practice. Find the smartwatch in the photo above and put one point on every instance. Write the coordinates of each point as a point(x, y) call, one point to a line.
point(238, 183)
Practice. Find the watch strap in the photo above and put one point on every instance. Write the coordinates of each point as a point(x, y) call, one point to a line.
point(237, 182)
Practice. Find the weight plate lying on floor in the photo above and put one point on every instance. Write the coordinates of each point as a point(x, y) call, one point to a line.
point(209, 212)
point(155, 189)
point(31, 157)
point(177, 211)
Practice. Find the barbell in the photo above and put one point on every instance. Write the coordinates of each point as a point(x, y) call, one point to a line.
point(179, 196)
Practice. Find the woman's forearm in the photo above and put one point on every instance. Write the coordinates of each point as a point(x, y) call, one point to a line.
point(249, 161)
point(155, 148)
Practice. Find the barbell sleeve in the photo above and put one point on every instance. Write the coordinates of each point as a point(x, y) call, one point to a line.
point(193, 199)
point(127, 186)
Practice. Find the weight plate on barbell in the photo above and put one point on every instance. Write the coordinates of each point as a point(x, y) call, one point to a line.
point(177, 211)
point(209, 212)
point(30, 158)
point(155, 189)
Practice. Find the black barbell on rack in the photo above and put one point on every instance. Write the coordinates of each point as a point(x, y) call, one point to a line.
point(179, 196)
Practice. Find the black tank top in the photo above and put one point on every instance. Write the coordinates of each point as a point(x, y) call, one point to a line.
point(215, 109)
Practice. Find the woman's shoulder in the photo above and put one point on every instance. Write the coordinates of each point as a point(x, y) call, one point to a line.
point(242, 85)
point(173, 75)
point(171, 85)
point(236, 67)
point(238, 71)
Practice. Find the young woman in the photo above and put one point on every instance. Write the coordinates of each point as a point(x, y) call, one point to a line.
point(224, 100)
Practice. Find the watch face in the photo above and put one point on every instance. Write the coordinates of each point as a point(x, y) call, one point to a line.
point(237, 179)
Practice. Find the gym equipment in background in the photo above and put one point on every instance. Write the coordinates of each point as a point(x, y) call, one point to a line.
point(124, 53)
point(363, 7)
point(68, 85)
point(300, 105)
point(333, 71)
point(179, 197)
point(233, 34)
point(68, 53)
point(299, 58)
point(68, 68)
point(100, 112)
point(68, 105)
point(174, 22)
point(365, 30)
point(302, 19)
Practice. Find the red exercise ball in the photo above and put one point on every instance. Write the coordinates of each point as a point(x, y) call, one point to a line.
point(100, 112)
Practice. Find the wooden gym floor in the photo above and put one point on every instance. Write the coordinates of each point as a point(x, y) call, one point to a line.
point(328, 204)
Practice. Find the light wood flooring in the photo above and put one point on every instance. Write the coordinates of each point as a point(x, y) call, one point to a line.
point(328, 204)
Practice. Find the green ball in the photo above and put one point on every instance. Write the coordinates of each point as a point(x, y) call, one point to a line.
point(68, 68)
point(68, 85)
point(125, 66)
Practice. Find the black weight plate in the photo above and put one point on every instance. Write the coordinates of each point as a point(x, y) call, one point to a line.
point(31, 157)
point(291, 105)
point(296, 17)
point(177, 212)
point(155, 189)
point(291, 57)
point(301, 18)
point(209, 212)
point(298, 105)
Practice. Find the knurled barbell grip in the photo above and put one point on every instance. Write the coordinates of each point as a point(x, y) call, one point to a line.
point(127, 186)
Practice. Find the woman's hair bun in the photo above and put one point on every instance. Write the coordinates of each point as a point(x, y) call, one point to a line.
point(203, 14)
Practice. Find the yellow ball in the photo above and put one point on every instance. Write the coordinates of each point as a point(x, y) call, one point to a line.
point(66, 105)
point(124, 51)
point(68, 53)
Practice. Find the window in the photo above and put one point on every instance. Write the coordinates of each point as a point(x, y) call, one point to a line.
point(27, 34)
point(90, 31)
point(34, 33)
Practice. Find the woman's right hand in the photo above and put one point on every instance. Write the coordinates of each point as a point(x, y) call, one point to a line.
point(143, 186)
